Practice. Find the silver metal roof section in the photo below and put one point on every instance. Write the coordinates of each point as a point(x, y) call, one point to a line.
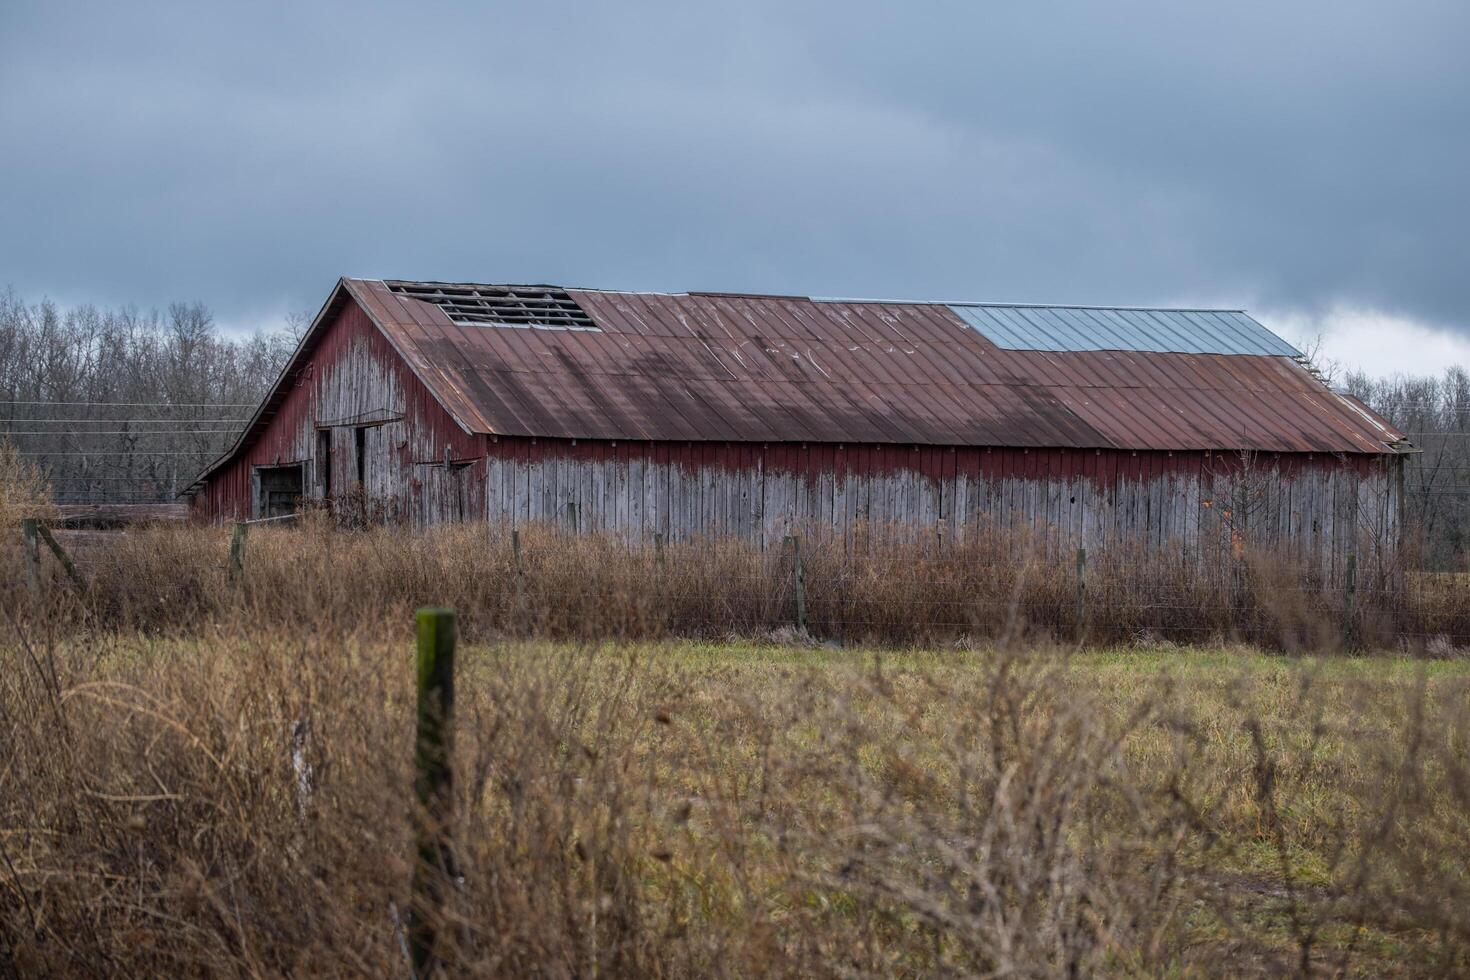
point(1086, 328)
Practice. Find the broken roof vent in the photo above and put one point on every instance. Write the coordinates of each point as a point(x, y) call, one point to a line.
point(537, 307)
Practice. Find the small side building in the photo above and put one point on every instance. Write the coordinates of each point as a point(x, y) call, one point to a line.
point(695, 414)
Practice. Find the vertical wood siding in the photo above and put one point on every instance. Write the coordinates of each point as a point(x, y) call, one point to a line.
point(1312, 504)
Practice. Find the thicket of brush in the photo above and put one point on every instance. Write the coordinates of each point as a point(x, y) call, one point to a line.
point(877, 589)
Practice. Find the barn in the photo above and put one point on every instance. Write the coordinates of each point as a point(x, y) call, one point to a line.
point(689, 414)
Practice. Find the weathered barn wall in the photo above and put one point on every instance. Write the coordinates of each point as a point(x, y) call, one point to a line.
point(351, 380)
point(1316, 504)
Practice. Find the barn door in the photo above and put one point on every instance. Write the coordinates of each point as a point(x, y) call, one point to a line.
point(280, 489)
point(450, 493)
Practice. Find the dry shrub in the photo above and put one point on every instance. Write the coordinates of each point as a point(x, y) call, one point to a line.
point(24, 490)
point(1017, 844)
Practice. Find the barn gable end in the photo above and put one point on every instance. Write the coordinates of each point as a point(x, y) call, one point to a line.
point(349, 410)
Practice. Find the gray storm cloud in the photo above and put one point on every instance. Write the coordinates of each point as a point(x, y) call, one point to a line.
point(1298, 156)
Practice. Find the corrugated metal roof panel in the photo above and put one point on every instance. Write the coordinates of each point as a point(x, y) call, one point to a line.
point(783, 369)
point(1084, 328)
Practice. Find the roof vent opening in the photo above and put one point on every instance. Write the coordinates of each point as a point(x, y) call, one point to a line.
point(537, 307)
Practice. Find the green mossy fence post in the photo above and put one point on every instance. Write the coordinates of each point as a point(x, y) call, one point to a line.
point(30, 546)
point(1081, 593)
point(799, 575)
point(433, 785)
point(1350, 600)
point(237, 552)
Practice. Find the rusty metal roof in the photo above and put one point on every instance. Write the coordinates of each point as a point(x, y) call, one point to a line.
point(705, 366)
point(592, 364)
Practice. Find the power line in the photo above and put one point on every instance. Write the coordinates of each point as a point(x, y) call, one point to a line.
point(1387, 411)
point(127, 452)
point(100, 495)
point(154, 491)
point(18, 401)
point(176, 421)
point(115, 432)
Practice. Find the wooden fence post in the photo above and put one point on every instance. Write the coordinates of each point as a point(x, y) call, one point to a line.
point(1350, 598)
point(1081, 592)
point(520, 583)
point(661, 599)
point(433, 783)
point(31, 549)
point(237, 552)
point(572, 515)
point(799, 574)
point(66, 563)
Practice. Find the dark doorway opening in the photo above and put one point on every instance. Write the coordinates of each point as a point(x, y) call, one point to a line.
point(459, 474)
point(360, 435)
point(324, 462)
point(280, 490)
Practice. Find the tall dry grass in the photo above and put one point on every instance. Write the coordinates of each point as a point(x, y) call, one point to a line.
point(203, 777)
point(875, 590)
point(242, 807)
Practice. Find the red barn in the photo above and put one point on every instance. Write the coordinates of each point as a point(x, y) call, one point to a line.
point(718, 413)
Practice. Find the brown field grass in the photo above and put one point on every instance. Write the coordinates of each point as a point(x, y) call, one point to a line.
point(174, 580)
point(242, 807)
point(199, 778)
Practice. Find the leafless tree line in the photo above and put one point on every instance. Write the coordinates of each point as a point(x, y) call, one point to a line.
point(123, 404)
point(1435, 413)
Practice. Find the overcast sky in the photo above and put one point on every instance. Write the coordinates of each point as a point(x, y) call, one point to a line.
point(1306, 159)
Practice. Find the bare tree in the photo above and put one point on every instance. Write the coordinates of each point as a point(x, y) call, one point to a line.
point(1435, 413)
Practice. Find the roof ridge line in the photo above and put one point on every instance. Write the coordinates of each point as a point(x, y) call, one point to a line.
point(1028, 306)
point(817, 299)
